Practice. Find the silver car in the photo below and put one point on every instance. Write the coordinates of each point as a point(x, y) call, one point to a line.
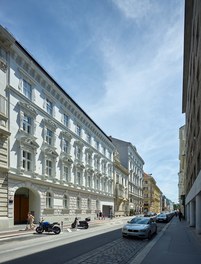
point(141, 227)
point(163, 217)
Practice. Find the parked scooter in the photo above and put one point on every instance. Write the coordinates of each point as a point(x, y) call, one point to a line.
point(47, 227)
point(81, 224)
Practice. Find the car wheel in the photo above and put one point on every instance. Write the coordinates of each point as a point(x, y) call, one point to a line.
point(149, 235)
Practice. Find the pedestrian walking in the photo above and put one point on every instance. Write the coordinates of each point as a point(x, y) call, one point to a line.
point(30, 220)
point(100, 215)
point(180, 215)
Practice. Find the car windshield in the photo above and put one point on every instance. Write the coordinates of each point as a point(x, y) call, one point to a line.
point(139, 221)
point(162, 215)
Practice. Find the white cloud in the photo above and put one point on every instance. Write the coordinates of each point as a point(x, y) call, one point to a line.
point(134, 9)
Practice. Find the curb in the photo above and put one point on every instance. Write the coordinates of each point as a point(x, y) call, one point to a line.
point(143, 253)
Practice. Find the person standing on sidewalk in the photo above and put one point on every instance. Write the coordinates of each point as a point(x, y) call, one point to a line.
point(30, 219)
point(180, 214)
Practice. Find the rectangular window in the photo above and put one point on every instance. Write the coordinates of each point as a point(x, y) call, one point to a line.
point(65, 120)
point(65, 146)
point(78, 178)
point(97, 145)
point(78, 130)
point(89, 159)
point(95, 163)
point(27, 124)
point(65, 175)
point(104, 150)
point(49, 107)
point(78, 153)
point(48, 200)
point(26, 160)
point(88, 138)
point(27, 89)
point(49, 136)
point(65, 201)
point(89, 181)
point(97, 184)
point(103, 167)
point(48, 168)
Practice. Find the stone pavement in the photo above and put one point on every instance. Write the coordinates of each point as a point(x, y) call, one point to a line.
point(177, 243)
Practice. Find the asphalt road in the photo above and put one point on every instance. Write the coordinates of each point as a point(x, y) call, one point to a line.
point(98, 245)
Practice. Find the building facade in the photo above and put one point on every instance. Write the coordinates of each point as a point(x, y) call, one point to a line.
point(131, 160)
point(4, 138)
point(191, 106)
point(182, 169)
point(121, 176)
point(152, 195)
point(57, 162)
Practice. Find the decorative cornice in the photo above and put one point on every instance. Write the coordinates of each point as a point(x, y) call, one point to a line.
point(49, 123)
point(28, 107)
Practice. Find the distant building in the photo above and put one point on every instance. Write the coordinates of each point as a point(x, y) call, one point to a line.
point(121, 177)
point(152, 195)
point(54, 160)
point(132, 161)
point(192, 109)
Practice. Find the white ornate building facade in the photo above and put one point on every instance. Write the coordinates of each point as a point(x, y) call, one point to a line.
point(57, 162)
point(132, 161)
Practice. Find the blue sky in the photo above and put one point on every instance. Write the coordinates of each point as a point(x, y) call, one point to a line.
point(121, 61)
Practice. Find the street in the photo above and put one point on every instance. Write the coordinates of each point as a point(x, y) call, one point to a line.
point(101, 244)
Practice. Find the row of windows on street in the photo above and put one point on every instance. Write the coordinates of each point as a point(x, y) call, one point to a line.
point(27, 91)
point(66, 204)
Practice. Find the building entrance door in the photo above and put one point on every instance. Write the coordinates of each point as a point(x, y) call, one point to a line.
point(21, 206)
point(21, 209)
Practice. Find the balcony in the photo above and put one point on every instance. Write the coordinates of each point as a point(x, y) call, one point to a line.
point(4, 134)
point(121, 191)
point(3, 117)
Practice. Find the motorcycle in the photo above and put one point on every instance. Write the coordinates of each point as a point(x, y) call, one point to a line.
point(47, 227)
point(83, 224)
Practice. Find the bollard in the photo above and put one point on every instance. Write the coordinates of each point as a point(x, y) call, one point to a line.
point(62, 225)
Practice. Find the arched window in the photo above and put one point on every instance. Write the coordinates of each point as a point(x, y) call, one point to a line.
point(48, 200)
point(65, 201)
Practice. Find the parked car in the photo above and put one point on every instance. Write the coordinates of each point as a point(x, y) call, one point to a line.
point(151, 214)
point(141, 227)
point(163, 217)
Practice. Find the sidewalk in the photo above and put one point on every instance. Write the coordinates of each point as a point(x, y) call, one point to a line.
point(177, 243)
point(18, 230)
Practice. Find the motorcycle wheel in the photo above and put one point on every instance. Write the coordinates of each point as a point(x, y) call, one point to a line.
point(56, 230)
point(39, 230)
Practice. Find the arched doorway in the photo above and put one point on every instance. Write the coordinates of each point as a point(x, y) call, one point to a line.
point(25, 200)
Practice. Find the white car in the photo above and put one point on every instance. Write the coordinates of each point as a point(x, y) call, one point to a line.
point(141, 227)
